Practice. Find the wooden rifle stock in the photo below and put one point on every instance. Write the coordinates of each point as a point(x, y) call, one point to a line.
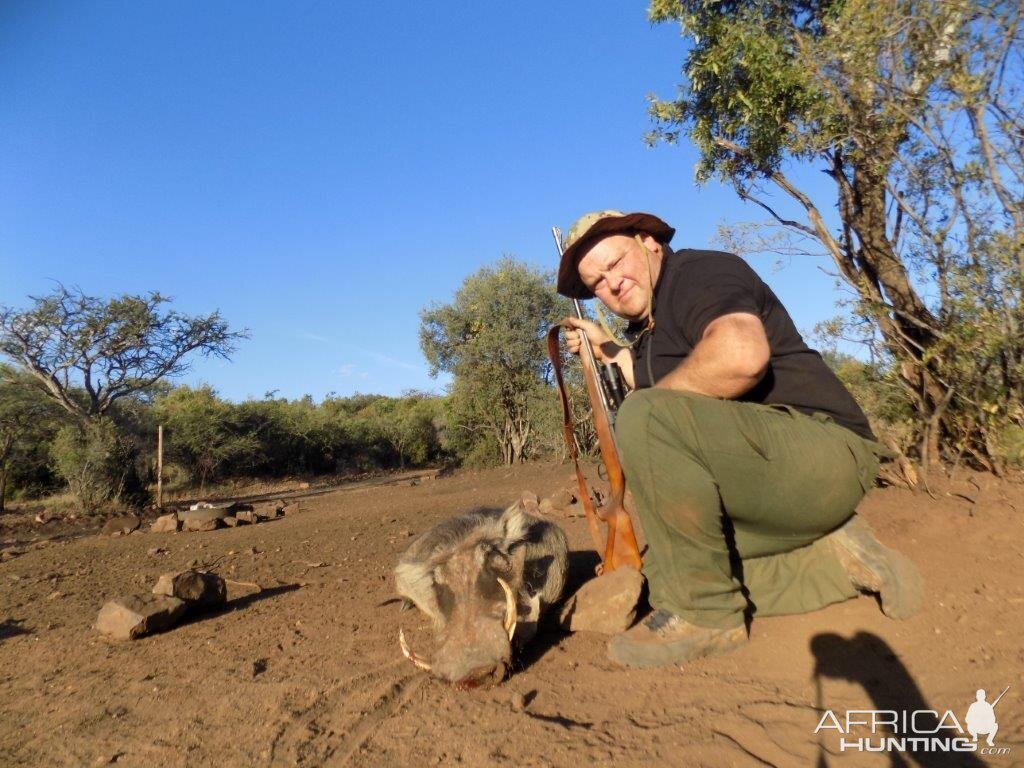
point(619, 549)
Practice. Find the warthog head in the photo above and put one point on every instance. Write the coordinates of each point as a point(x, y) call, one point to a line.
point(467, 574)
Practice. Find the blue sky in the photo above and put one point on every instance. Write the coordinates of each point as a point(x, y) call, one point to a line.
point(321, 171)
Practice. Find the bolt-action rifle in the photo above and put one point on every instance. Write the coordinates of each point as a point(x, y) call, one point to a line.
point(604, 389)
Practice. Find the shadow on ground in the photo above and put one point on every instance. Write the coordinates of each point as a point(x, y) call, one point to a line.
point(12, 628)
point(868, 661)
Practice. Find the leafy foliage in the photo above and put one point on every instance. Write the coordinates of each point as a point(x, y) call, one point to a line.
point(94, 460)
point(491, 339)
point(28, 423)
point(202, 435)
point(87, 353)
point(915, 112)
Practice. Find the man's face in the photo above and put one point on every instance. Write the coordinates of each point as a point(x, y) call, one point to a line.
point(615, 269)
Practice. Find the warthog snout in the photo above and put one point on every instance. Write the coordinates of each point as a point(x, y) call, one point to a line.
point(474, 650)
point(478, 576)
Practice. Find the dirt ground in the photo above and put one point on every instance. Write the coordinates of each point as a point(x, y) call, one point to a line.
point(307, 671)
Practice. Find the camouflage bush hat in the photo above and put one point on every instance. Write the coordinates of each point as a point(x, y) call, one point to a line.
point(591, 227)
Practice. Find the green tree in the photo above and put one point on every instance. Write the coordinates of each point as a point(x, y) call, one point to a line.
point(28, 422)
point(406, 424)
point(88, 352)
point(202, 433)
point(913, 110)
point(491, 339)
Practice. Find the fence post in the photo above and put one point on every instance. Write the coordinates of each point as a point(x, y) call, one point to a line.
point(160, 466)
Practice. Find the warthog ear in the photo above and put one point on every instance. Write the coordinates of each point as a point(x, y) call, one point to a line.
point(515, 523)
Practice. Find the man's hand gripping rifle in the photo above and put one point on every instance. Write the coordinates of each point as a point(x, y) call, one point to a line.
point(604, 390)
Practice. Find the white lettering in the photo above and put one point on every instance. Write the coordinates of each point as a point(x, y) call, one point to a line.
point(881, 719)
point(829, 715)
point(915, 727)
point(852, 721)
point(857, 744)
point(955, 725)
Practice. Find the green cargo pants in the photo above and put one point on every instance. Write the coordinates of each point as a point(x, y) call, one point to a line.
point(734, 499)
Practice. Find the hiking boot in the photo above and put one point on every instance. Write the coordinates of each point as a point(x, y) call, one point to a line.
point(664, 638)
point(875, 568)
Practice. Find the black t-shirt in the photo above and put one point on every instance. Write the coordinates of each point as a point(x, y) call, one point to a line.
point(696, 287)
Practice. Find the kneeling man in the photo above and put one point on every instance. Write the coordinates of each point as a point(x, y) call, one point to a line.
point(745, 454)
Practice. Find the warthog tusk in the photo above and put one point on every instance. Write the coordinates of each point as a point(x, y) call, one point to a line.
point(409, 654)
point(510, 609)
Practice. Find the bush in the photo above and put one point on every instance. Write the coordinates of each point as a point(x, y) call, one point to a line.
point(1008, 444)
point(94, 461)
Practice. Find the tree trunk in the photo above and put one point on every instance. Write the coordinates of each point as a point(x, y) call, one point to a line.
point(908, 328)
point(3, 488)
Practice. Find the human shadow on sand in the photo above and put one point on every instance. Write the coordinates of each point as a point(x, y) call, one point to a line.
point(869, 661)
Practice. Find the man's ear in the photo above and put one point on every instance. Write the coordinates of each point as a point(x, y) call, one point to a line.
point(651, 242)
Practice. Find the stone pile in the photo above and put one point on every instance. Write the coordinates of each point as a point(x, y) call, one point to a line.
point(174, 596)
point(203, 516)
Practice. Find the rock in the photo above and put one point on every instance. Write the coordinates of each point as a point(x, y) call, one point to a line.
point(202, 515)
point(10, 554)
point(270, 511)
point(246, 516)
point(203, 525)
point(290, 508)
point(230, 521)
point(127, 618)
point(120, 526)
point(563, 498)
point(200, 588)
point(201, 505)
point(156, 551)
point(518, 702)
point(303, 486)
point(239, 506)
point(166, 524)
point(606, 604)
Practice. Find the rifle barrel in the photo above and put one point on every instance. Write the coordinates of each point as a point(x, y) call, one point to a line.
point(607, 380)
point(1000, 696)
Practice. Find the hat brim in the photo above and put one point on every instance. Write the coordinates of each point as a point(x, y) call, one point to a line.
point(569, 282)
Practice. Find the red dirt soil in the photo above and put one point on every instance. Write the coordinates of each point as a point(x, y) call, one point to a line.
point(307, 672)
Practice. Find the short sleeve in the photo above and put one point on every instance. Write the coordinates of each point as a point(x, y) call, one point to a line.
point(710, 287)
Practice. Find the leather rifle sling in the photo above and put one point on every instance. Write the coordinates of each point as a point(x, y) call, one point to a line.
point(620, 547)
point(554, 354)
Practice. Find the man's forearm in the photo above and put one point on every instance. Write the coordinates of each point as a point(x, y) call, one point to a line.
point(719, 366)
